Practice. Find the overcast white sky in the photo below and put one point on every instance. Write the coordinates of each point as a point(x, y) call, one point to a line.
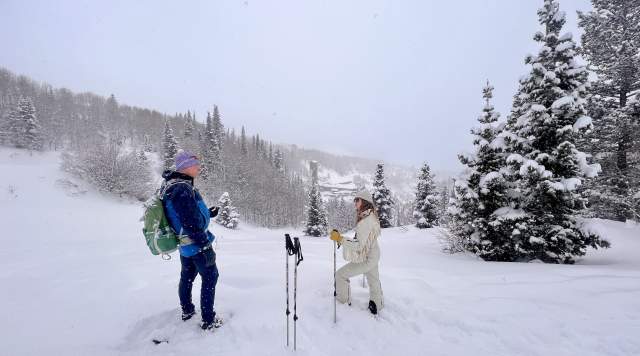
point(394, 80)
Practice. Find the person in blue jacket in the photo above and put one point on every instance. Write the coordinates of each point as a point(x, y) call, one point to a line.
point(189, 216)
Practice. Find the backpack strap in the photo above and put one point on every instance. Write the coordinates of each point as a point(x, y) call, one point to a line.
point(183, 239)
point(170, 183)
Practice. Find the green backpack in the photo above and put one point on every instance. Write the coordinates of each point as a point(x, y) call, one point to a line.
point(160, 237)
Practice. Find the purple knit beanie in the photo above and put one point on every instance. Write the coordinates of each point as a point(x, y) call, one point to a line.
point(186, 159)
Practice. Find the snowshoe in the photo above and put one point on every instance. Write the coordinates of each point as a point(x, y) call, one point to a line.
point(217, 322)
point(187, 316)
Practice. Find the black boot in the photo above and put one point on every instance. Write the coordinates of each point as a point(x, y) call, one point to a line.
point(206, 325)
point(187, 316)
point(216, 323)
point(373, 308)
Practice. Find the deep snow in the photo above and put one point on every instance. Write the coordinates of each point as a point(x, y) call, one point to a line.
point(77, 279)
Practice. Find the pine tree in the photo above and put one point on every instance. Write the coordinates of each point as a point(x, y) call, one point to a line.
point(265, 152)
point(47, 110)
point(169, 147)
point(332, 211)
point(611, 43)
point(316, 216)
point(147, 145)
point(243, 143)
point(426, 203)
point(111, 110)
point(278, 162)
point(217, 141)
point(218, 128)
point(189, 127)
point(443, 204)
point(204, 164)
point(258, 146)
point(340, 216)
point(211, 149)
point(13, 127)
point(316, 219)
point(227, 216)
point(632, 110)
point(382, 198)
point(480, 207)
point(545, 167)
point(23, 127)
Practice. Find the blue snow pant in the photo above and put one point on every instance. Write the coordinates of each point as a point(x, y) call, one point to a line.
point(191, 267)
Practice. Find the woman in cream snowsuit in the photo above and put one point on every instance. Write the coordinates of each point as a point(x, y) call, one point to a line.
point(362, 252)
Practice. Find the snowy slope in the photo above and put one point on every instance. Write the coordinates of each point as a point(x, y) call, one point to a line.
point(332, 184)
point(77, 279)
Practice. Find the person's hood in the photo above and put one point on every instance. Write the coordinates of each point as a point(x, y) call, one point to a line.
point(171, 174)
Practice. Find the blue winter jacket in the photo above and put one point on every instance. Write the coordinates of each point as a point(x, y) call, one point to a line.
point(186, 212)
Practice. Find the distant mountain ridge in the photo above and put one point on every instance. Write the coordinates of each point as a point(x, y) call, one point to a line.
point(341, 176)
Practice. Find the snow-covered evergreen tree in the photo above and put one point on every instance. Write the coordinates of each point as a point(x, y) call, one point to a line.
point(217, 139)
point(480, 207)
point(444, 198)
point(169, 147)
point(426, 203)
point(218, 128)
point(146, 143)
point(316, 220)
point(114, 119)
point(611, 192)
point(13, 127)
point(227, 216)
point(211, 149)
point(278, 162)
point(611, 43)
point(403, 210)
point(243, 143)
point(545, 167)
point(189, 126)
point(23, 127)
point(382, 198)
point(632, 110)
point(316, 215)
point(341, 217)
point(204, 165)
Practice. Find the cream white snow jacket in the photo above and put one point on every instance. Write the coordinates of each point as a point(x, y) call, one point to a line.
point(364, 245)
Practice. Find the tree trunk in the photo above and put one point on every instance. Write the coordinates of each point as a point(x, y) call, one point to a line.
point(624, 138)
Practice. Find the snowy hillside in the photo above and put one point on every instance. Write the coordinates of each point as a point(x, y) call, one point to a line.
point(333, 184)
point(339, 176)
point(77, 279)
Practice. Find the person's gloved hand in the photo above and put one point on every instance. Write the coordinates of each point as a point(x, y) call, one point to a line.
point(213, 211)
point(209, 256)
point(335, 236)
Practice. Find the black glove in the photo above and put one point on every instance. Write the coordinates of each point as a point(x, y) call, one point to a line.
point(213, 211)
point(209, 256)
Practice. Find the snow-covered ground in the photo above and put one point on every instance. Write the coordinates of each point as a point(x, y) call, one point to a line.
point(77, 279)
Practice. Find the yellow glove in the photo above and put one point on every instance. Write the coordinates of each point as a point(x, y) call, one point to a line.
point(335, 236)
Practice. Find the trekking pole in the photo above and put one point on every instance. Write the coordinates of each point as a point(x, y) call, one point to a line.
point(335, 294)
point(299, 258)
point(288, 246)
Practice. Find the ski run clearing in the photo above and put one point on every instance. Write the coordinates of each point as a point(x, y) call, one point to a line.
point(78, 279)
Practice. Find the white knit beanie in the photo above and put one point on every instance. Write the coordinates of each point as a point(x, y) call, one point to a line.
point(365, 195)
